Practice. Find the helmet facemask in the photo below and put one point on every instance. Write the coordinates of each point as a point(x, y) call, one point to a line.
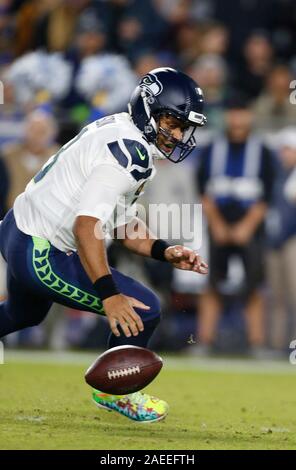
point(181, 149)
point(175, 149)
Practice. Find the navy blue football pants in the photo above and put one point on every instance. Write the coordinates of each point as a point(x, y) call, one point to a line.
point(39, 274)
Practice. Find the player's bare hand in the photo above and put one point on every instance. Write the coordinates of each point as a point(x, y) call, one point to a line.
point(119, 311)
point(185, 258)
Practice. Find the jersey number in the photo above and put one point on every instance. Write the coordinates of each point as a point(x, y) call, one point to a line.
point(45, 170)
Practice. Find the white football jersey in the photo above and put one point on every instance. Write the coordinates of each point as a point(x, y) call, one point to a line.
point(107, 163)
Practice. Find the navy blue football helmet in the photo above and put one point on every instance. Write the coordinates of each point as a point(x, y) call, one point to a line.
point(166, 91)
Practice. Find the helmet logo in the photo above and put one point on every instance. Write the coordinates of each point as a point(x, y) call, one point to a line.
point(151, 84)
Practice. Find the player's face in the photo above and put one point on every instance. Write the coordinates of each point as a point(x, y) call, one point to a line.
point(171, 131)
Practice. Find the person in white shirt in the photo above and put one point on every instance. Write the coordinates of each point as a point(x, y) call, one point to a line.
point(53, 240)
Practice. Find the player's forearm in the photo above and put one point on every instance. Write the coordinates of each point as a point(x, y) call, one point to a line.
point(138, 238)
point(140, 247)
point(91, 247)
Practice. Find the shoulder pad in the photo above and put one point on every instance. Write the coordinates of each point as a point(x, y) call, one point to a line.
point(137, 152)
point(133, 156)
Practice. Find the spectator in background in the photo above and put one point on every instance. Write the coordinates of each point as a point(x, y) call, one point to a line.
point(24, 160)
point(106, 82)
point(132, 25)
point(89, 39)
point(186, 42)
point(211, 72)
point(57, 28)
point(147, 61)
point(202, 10)
point(101, 81)
point(240, 18)
point(193, 40)
point(174, 11)
point(235, 181)
point(46, 24)
point(140, 27)
point(11, 115)
point(38, 77)
point(281, 256)
point(90, 34)
point(251, 74)
point(215, 39)
point(273, 109)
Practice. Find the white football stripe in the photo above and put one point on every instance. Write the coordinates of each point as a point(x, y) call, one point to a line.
point(115, 374)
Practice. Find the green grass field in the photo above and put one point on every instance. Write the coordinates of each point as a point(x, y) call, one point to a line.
point(217, 404)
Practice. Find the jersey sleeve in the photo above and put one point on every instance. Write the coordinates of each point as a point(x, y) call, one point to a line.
point(132, 156)
point(103, 189)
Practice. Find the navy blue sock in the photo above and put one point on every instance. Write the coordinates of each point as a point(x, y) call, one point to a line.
point(140, 340)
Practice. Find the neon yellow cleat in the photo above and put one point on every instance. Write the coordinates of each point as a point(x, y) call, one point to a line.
point(137, 406)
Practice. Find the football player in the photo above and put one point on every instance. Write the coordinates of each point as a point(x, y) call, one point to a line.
point(53, 240)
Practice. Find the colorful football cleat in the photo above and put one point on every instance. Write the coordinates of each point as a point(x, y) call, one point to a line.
point(137, 406)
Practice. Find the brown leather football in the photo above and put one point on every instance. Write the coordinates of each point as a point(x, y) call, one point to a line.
point(123, 370)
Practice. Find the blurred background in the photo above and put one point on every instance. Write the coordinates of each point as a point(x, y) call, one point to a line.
point(64, 63)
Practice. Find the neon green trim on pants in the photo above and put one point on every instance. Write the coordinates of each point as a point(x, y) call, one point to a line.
point(45, 274)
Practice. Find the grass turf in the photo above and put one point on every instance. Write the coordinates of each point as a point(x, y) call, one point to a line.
point(46, 405)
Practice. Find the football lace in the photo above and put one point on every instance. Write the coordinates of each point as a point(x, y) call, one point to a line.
point(114, 374)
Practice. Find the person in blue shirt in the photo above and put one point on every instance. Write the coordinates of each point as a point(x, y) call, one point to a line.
point(235, 178)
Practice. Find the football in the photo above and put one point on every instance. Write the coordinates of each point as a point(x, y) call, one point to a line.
point(123, 370)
